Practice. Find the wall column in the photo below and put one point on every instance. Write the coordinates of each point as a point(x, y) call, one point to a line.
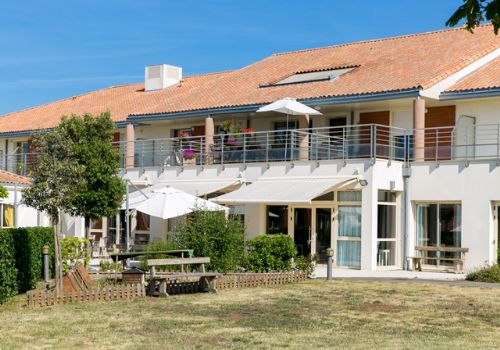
point(209, 138)
point(419, 125)
point(303, 138)
point(130, 146)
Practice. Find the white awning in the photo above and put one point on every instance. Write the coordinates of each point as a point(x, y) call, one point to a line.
point(197, 188)
point(286, 190)
point(204, 187)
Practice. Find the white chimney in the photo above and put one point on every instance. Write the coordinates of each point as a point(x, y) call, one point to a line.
point(161, 76)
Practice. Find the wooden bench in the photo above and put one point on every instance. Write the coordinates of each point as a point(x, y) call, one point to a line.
point(206, 280)
point(458, 263)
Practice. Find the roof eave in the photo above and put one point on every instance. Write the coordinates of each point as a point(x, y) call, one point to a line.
point(331, 100)
point(468, 94)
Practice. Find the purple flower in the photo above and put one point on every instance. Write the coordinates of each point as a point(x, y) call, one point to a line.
point(188, 153)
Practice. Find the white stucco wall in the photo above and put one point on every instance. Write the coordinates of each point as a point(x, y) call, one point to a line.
point(475, 187)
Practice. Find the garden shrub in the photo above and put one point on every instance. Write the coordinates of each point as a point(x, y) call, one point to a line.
point(210, 234)
point(270, 253)
point(486, 274)
point(305, 264)
point(74, 252)
point(8, 271)
point(28, 243)
point(159, 246)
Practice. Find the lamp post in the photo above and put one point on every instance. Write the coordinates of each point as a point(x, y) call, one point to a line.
point(329, 263)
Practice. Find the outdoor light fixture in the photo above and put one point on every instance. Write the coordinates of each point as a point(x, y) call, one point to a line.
point(363, 182)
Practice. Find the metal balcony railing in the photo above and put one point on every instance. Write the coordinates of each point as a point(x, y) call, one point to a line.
point(473, 142)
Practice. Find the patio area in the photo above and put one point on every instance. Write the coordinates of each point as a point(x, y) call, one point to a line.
point(320, 272)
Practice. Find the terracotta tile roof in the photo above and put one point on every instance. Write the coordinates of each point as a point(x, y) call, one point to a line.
point(486, 77)
point(392, 64)
point(10, 178)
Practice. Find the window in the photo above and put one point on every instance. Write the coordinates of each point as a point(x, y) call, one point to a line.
point(386, 228)
point(349, 236)
point(311, 76)
point(439, 225)
point(7, 213)
point(350, 196)
point(142, 222)
point(277, 219)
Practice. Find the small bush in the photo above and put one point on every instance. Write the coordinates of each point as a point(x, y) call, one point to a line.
point(159, 246)
point(8, 271)
point(305, 264)
point(486, 274)
point(110, 266)
point(270, 253)
point(210, 234)
point(74, 252)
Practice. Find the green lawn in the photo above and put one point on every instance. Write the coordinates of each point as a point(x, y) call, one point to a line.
point(311, 315)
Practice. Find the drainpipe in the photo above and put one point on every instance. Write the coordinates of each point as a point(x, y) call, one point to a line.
point(406, 215)
point(15, 205)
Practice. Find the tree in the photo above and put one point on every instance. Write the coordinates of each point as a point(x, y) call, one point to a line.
point(3, 192)
point(476, 11)
point(75, 171)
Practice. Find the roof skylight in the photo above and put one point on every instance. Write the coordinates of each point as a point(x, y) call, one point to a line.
point(310, 77)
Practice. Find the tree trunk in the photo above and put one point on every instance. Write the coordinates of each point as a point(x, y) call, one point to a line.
point(89, 247)
point(58, 258)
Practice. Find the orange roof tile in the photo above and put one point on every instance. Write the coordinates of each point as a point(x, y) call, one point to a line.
point(10, 178)
point(486, 77)
point(392, 64)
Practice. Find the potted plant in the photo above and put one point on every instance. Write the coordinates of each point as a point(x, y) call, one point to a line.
point(188, 155)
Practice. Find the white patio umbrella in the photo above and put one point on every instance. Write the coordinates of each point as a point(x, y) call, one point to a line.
point(288, 106)
point(170, 202)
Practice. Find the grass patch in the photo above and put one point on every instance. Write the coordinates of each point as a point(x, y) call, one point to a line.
point(311, 315)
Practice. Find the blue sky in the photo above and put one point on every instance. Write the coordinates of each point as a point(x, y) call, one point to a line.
point(56, 49)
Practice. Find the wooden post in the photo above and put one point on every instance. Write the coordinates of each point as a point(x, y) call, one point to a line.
point(130, 147)
point(418, 126)
point(304, 137)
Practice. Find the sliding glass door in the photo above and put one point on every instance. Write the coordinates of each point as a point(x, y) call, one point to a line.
point(439, 225)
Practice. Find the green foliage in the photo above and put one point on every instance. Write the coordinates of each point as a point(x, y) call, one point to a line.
point(8, 271)
point(74, 252)
point(473, 12)
point(110, 266)
point(159, 246)
point(270, 253)
point(76, 169)
point(28, 243)
point(3, 192)
point(21, 265)
point(305, 264)
point(486, 274)
point(210, 234)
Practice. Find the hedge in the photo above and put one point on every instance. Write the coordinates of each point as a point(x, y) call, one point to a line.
point(8, 271)
point(21, 257)
point(270, 253)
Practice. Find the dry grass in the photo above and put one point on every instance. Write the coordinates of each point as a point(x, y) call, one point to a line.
point(314, 314)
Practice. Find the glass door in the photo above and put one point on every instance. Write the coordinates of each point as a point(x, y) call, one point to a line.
point(349, 236)
point(302, 230)
point(323, 232)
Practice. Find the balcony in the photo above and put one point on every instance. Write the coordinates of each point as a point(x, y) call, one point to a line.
point(315, 144)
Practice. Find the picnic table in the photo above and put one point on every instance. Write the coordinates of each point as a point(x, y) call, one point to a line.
point(128, 255)
point(157, 282)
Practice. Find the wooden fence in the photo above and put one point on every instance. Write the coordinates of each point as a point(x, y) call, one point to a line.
point(235, 280)
point(246, 280)
point(38, 298)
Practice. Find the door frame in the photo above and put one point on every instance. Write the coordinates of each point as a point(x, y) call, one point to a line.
point(313, 207)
